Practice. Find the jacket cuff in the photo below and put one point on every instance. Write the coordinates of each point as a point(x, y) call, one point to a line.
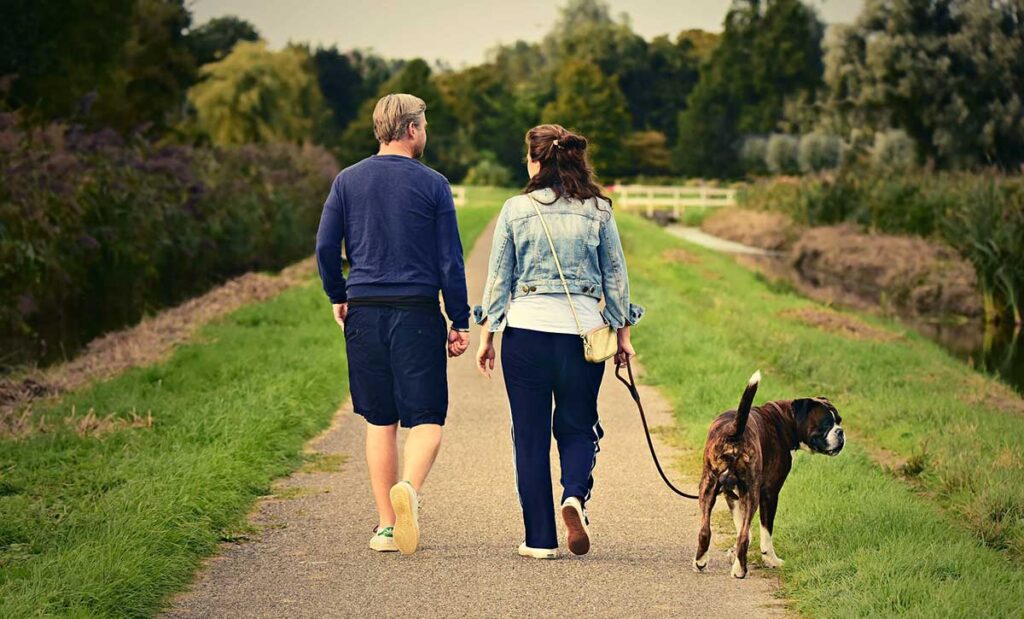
point(636, 312)
point(479, 317)
point(335, 299)
point(633, 316)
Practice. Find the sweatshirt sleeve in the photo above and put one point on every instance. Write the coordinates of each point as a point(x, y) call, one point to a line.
point(329, 237)
point(451, 266)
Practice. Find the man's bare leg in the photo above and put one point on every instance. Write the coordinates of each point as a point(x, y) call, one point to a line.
point(382, 460)
point(421, 449)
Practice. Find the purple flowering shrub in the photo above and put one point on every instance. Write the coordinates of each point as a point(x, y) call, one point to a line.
point(96, 230)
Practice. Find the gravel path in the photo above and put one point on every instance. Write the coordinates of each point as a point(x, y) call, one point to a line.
point(698, 236)
point(310, 558)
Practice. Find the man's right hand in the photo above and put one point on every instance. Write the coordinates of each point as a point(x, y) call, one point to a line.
point(340, 313)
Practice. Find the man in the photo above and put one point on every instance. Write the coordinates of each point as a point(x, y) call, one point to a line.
point(397, 219)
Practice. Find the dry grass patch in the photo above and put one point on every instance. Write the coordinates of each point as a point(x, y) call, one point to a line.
point(324, 463)
point(980, 391)
point(764, 229)
point(840, 324)
point(21, 425)
point(680, 255)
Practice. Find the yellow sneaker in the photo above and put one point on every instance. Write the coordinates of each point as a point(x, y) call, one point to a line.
point(407, 527)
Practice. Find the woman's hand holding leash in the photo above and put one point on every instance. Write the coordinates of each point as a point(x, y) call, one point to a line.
point(626, 351)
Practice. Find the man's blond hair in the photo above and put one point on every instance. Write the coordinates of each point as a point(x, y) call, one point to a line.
point(393, 115)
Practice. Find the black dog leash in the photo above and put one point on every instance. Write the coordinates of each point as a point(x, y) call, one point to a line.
point(631, 385)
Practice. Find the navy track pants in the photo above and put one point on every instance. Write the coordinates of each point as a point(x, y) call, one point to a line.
point(538, 366)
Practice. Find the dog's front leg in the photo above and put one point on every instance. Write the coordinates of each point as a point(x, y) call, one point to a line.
point(708, 493)
point(745, 508)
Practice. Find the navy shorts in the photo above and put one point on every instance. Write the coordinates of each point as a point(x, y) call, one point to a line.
point(397, 364)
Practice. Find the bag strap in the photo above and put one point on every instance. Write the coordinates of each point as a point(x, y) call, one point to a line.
point(633, 391)
point(558, 265)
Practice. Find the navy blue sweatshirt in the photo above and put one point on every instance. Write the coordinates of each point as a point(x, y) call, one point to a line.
point(397, 219)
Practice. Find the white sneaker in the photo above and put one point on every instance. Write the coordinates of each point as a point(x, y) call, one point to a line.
point(575, 519)
point(383, 540)
point(537, 553)
point(407, 512)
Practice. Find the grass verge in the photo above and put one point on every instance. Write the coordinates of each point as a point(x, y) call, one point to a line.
point(109, 523)
point(857, 539)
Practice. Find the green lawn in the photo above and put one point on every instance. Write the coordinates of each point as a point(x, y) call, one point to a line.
point(858, 540)
point(111, 525)
point(482, 204)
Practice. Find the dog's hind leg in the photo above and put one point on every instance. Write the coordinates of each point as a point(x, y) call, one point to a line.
point(745, 507)
point(769, 503)
point(708, 493)
point(737, 520)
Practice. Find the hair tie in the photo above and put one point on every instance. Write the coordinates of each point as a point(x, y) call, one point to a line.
point(556, 144)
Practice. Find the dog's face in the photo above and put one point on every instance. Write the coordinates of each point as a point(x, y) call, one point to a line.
point(818, 423)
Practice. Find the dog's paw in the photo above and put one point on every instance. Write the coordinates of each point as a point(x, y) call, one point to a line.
point(770, 560)
point(700, 563)
point(737, 570)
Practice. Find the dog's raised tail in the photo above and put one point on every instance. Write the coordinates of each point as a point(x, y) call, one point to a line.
point(743, 412)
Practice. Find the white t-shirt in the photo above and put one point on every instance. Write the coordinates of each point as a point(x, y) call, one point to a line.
point(550, 313)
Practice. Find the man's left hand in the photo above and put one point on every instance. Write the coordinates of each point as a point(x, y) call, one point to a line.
point(340, 311)
point(458, 342)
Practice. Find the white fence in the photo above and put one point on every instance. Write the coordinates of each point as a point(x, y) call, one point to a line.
point(459, 195)
point(655, 198)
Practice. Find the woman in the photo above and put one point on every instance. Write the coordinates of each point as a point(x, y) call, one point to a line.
point(542, 352)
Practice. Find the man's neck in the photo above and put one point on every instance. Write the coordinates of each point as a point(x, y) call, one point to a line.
point(395, 148)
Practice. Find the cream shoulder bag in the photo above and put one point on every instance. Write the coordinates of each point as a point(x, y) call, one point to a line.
point(600, 343)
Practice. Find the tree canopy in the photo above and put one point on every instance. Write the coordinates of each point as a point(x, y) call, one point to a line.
point(257, 95)
point(948, 72)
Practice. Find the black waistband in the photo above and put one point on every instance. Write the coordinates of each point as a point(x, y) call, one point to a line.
point(405, 302)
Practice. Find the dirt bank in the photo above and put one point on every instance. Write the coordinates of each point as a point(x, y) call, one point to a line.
point(905, 275)
point(762, 229)
point(908, 276)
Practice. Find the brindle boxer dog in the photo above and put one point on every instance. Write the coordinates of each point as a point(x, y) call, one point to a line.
point(747, 457)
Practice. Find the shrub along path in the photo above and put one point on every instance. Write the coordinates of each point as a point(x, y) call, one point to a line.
point(311, 559)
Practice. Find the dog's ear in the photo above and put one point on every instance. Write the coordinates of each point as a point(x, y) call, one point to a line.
point(802, 409)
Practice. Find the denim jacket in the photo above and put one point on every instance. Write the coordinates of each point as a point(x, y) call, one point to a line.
point(587, 241)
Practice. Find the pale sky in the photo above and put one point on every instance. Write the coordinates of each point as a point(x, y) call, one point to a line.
point(459, 33)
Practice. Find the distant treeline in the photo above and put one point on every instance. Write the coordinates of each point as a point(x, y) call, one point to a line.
point(948, 74)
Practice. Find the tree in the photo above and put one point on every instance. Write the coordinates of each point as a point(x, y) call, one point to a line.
point(948, 72)
point(592, 104)
point(585, 31)
point(701, 42)
point(341, 85)
point(346, 80)
point(764, 58)
point(255, 95)
point(60, 51)
point(493, 115)
point(673, 71)
point(648, 151)
point(154, 70)
point(216, 38)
